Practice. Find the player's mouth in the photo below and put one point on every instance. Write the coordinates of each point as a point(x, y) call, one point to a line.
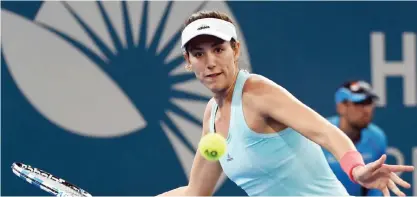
point(213, 75)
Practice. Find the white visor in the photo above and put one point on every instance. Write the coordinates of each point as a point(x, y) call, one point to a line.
point(208, 26)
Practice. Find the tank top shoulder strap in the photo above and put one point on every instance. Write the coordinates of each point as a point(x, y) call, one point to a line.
point(236, 99)
point(212, 116)
point(237, 92)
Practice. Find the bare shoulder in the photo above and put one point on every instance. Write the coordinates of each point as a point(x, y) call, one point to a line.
point(264, 94)
point(260, 86)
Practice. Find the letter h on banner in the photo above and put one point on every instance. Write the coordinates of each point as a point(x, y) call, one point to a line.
point(381, 69)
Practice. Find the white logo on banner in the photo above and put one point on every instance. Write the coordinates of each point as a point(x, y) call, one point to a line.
point(70, 62)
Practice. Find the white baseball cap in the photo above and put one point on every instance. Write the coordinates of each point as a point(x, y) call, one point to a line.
point(208, 26)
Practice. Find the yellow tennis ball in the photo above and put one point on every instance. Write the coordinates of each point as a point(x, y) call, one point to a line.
point(212, 146)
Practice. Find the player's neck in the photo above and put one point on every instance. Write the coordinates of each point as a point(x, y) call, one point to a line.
point(226, 95)
point(353, 133)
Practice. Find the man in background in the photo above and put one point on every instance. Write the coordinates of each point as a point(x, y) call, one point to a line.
point(355, 106)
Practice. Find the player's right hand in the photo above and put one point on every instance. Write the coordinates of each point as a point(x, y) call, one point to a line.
point(377, 175)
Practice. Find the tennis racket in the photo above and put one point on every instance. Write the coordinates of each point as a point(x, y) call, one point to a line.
point(47, 182)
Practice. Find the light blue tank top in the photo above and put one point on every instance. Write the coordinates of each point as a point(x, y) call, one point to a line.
point(279, 164)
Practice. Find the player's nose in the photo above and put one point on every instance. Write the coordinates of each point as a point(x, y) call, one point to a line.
point(210, 60)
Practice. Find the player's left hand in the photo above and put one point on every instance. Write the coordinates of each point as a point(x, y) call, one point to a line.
point(377, 175)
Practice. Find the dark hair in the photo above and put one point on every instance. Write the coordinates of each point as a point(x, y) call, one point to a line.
point(210, 14)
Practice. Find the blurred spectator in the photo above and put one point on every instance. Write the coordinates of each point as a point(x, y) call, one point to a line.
point(355, 107)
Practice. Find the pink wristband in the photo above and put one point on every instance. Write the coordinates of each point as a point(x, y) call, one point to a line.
point(350, 160)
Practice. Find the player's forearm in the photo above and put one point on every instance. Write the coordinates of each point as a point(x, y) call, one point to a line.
point(335, 141)
point(343, 149)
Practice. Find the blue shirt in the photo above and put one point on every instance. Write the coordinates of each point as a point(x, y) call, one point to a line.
point(277, 164)
point(372, 145)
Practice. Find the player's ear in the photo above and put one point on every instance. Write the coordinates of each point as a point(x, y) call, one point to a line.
point(237, 50)
point(186, 57)
point(187, 60)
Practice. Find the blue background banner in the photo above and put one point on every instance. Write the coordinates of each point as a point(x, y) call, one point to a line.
point(97, 94)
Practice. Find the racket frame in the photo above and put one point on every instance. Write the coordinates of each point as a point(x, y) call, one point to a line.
point(23, 171)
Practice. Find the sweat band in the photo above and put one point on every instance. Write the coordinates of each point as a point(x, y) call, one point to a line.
point(350, 160)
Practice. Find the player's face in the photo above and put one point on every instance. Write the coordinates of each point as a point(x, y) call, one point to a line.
point(360, 114)
point(213, 62)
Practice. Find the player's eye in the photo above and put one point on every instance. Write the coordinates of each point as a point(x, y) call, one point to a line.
point(218, 50)
point(197, 54)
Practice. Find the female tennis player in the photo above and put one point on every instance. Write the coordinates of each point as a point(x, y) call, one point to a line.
point(273, 139)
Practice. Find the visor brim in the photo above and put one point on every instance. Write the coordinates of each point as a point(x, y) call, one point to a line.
point(211, 32)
